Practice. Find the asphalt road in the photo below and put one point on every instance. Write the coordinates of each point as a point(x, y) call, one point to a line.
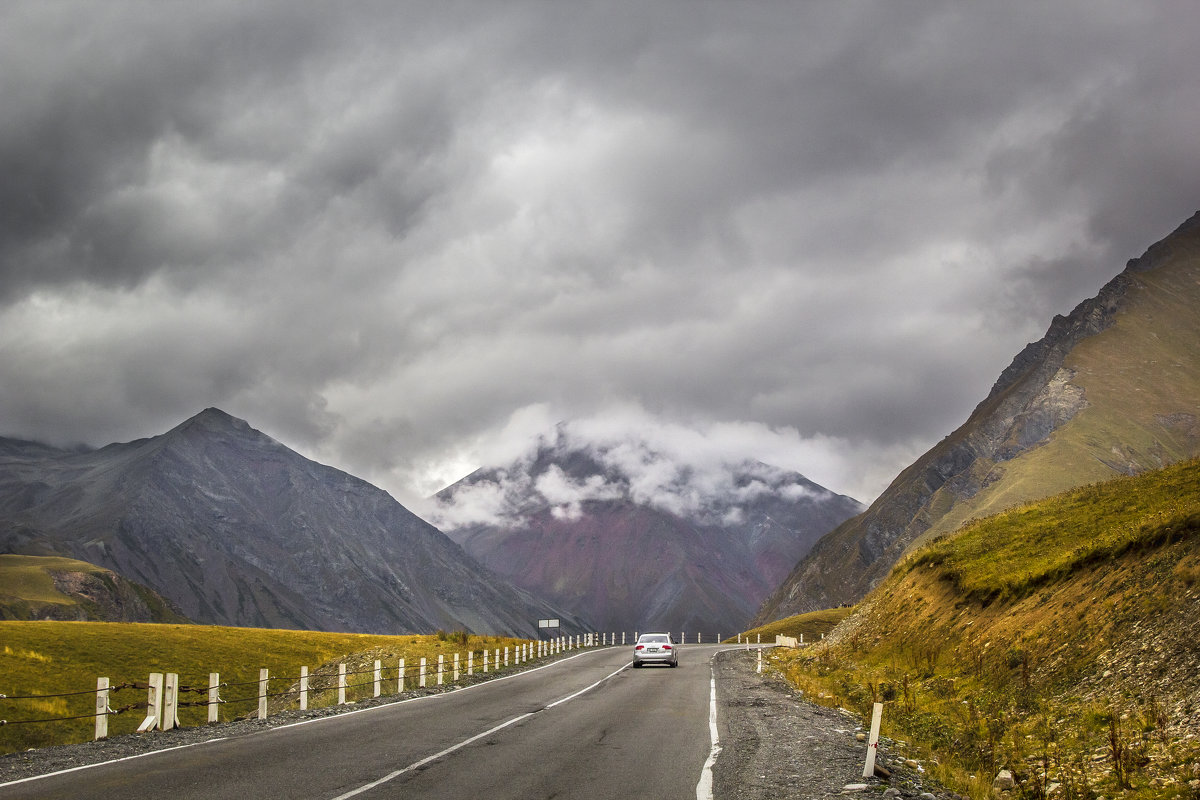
point(589, 726)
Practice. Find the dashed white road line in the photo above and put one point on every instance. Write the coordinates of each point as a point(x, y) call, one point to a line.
point(452, 748)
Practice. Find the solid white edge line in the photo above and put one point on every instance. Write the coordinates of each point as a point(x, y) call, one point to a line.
point(304, 722)
point(704, 787)
point(112, 761)
point(452, 748)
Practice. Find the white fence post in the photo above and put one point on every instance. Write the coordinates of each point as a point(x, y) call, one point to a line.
point(470, 663)
point(760, 659)
point(622, 637)
point(378, 688)
point(441, 668)
point(304, 688)
point(421, 674)
point(400, 677)
point(485, 661)
point(455, 668)
point(101, 708)
point(873, 742)
point(214, 697)
point(506, 656)
point(153, 703)
point(263, 677)
point(342, 684)
point(170, 701)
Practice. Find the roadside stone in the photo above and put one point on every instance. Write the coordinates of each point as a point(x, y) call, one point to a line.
point(854, 787)
point(1004, 781)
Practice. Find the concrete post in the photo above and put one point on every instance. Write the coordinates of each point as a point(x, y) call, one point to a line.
point(304, 688)
point(342, 684)
point(873, 742)
point(421, 674)
point(263, 678)
point(101, 708)
point(400, 677)
point(455, 673)
point(441, 668)
point(485, 661)
point(170, 701)
point(378, 687)
point(153, 703)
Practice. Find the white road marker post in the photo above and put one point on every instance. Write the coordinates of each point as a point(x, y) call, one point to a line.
point(470, 663)
point(421, 674)
point(101, 708)
point(153, 703)
point(873, 742)
point(342, 684)
point(400, 677)
point(455, 668)
point(760, 660)
point(214, 697)
point(378, 687)
point(303, 689)
point(170, 717)
point(485, 661)
point(263, 678)
point(441, 667)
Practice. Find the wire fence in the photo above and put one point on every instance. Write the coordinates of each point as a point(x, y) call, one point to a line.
point(335, 683)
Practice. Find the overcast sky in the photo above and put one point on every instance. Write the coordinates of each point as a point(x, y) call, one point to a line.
point(403, 237)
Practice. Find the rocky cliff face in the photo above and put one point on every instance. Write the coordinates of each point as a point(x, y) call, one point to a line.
point(236, 529)
point(682, 552)
point(1110, 389)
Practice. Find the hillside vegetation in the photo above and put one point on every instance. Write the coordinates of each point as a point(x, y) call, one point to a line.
point(49, 587)
point(811, 626)
point(1059, 640)
point(51, 658)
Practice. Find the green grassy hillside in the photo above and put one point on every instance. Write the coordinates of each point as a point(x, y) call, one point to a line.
point(50, 587)
point(812, 626)
point(1141, 381)
point(1060, 640)
point(46, 658)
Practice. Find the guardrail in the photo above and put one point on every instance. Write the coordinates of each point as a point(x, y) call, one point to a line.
point(165, 695)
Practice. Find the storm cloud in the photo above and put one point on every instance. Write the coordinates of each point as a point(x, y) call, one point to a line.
point(400, 237)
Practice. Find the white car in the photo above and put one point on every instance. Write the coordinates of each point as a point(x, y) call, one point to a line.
point(656, 648)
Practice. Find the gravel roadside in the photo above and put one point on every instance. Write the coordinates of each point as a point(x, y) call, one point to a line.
point(776, 744)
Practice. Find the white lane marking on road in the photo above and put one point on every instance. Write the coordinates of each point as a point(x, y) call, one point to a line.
point(112, 761)
point(307, 721)
point(704, 787)
point(454, 747)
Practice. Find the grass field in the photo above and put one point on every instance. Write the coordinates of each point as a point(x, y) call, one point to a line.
point(51, 658)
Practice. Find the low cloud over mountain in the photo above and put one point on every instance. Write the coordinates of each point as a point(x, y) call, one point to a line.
point(643, 526)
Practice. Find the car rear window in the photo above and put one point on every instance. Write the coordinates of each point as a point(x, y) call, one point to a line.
point(654, 639)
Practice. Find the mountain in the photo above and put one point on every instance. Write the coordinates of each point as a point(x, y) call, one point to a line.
point(237, 529)
point(631, 539)
point(36, 587)
point(1111, 389)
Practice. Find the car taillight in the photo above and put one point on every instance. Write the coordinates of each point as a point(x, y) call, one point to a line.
point(666, 647)
point(640, 647)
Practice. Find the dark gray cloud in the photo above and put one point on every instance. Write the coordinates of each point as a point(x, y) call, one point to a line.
point(396, 236)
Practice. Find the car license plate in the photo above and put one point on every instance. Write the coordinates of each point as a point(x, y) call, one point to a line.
point(651, 649)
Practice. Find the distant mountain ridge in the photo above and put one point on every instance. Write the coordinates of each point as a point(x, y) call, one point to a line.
point(664, 549)
point(237, 529)
point(1113, 388)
